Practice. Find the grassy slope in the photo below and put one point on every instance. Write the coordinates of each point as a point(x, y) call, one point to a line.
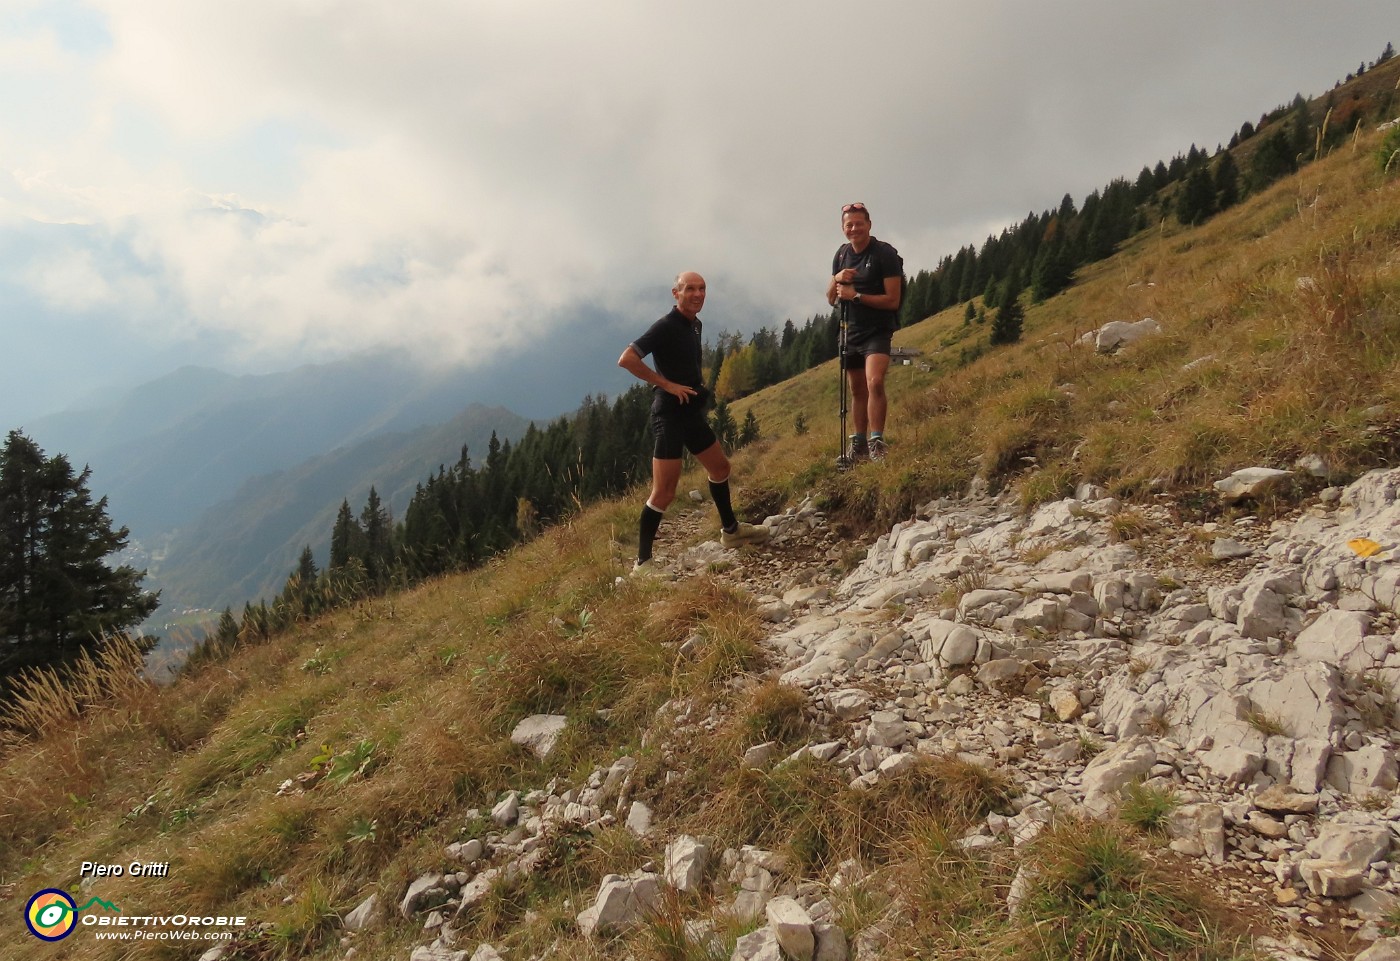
point(435, 679)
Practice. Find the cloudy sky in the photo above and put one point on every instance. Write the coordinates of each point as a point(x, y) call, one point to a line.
point(262, 183)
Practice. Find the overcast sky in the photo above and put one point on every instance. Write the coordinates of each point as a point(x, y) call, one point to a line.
point(262, 183)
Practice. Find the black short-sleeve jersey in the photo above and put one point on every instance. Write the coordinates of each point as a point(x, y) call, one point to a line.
point(674, 343)
point(872, 265)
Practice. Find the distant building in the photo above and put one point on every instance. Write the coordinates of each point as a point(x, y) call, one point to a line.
point(904, 356)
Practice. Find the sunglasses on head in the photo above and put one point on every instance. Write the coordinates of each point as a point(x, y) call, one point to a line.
point(849, 207)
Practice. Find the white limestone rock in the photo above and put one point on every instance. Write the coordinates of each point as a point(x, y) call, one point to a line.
point(849, 703)
point(1360, 772)
point(507, 810)
point(363, 916)
point(760, 945)
point(1250, 482)
point(639, 819)
point(1117, 334)
point(621, 902)
point(1342, 638)
point(1112, 770)
point(792, 925)
point(685, 861)
point(425, 892)
point(539, 733)
point(1198, 830)
point(949, 644)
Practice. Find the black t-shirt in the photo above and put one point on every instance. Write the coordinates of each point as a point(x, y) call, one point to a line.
point(878, 261)
point(674, 344)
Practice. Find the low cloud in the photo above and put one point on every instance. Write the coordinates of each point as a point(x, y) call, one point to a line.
point(306, 179)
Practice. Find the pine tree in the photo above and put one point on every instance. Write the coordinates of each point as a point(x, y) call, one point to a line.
point(1052, 271)
point(1300, 132)
point(1196, 201)
point(226, 633)
point(347, 538)
point(1006, 329)
point(1227, 182)
point(1274, 159)
point(722, 423)
point(748, 431)
point(57, 593)
point(306, 566)
point(378, 528)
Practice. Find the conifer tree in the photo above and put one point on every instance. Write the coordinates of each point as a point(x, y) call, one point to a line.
point(58, 595)
point(1196, 201)
point(347, 538)
point(1274, 159)
point(1300, 132)
point(226, 633)
point(1006, 329)
point(748, 431)
point(378, 528)
point(1052, 271)
point(722, 423)
point(1227, 182)
point(306, 566)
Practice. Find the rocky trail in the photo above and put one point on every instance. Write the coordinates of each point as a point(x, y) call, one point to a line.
point(1249, 667)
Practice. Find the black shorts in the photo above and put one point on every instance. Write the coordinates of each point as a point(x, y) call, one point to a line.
point(861, 344)
point(679, 426)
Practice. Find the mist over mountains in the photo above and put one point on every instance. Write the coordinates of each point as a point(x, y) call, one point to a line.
point(223, 479)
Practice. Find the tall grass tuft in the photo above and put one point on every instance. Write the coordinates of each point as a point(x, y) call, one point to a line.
point(1094, 896)
point(46, 698)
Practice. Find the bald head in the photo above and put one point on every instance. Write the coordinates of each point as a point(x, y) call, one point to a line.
point(689, 291)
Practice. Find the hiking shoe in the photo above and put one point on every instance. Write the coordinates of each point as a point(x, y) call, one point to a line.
point(877, 449)
point(860, 450)
point(743, 534)
point(647, 568)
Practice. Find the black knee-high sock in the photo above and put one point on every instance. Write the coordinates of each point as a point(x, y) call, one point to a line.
point(646, 531)
point(720, 494)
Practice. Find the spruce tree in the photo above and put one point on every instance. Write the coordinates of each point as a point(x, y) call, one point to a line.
point(58, 594)
point(1196, 201)
point(378, 553)
point(722, 423)
point(1052, 271)
point(748, 431)
point(347, 538)
point(1227, 182)
point(1006, 329)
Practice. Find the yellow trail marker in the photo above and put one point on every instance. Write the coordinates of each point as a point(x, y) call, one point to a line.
point(1364, 547)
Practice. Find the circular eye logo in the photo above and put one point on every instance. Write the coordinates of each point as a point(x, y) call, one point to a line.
point(51, 915)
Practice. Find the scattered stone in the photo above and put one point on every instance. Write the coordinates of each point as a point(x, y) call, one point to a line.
point(621, 902)
point(1250, 482)
point(364, 914)
point(539, 733)
point(639, 819)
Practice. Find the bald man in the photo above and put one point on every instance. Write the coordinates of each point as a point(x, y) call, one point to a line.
point(678, 417)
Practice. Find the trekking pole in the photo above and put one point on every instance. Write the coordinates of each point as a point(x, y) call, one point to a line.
point(843, 462)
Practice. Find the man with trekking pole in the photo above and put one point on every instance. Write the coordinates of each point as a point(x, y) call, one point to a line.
point(678, 418)
point(867, 281)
